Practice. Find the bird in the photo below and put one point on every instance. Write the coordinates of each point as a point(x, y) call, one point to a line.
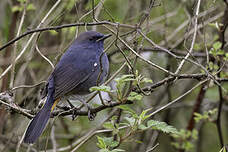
point(82, 66)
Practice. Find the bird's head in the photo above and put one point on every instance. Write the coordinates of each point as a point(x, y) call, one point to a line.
point(92, 37)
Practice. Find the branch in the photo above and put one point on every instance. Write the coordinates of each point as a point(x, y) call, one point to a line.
point(193, 40)
point(61, 27)
point(7, 100)
point(221, 99)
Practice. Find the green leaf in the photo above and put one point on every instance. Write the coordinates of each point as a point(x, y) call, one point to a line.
point(100, 88)
point(198, 117)
point(109, 142)
point(162, 126)
point(53, 32)
point(223, 149)
point(114, 144)
point(212, 51)
point(216, 67)
point(213, 25)
point(127, 109)
point(220, 52)
point(207, 115)
point(138, 141)
point(22, 1)
point(134, 96)
point(143, 116)
point(125, 77)
point(16, 8)
point(147, 80)
point(194, 134)
point(217, 45)
point(142, 127)
point(121, 82)
point(185, 138)
point(114, 117)
point(226, 55)
point(211, 65)
point(30, 7)
point(130, 120)
point(108, 125)
point(101, 143)
point(187, 146)
point(196, 47)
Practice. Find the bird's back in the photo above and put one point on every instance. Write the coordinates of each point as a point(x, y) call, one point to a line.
point(79, 68)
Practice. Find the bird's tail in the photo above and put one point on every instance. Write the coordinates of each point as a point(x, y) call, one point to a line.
point(39, 122)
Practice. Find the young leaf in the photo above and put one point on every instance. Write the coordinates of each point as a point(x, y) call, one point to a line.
point(162, 126)
point(108, 125)
point(15, 8)
point(100, 88)
point(220, 52)
point(147, 80)
point(212, 51)
point(130, 120)
point(127, 109)
point(223, 149)
point(142, 127)
point(109, 142)
point(134, 96)
point(143, 115)
point(101, 143)
point(31, 7)
point(217, 45)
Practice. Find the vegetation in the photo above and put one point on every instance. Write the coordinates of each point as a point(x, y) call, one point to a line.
point(167, 87)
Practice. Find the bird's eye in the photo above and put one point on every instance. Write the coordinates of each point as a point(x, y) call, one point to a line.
point(91, 39)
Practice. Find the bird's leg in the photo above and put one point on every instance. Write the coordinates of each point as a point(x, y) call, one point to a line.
point(74, 115)
point(72, 107)
point(91, 115)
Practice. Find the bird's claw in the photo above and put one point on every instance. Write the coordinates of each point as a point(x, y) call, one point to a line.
point(91, 115)
point(66, 108)
point(74, 115)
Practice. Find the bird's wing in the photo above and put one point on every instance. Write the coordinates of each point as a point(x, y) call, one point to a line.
point(72, 70)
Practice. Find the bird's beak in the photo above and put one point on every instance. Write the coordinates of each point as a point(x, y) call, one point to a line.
point(104, 37)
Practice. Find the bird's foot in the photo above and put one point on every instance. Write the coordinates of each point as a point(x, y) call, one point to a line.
point(74, 115)
point(71, 105)
point(65, 108)
point(91, 115)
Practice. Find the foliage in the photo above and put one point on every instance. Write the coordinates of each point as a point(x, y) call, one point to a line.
point(137, 123)
point(121, 83)
point(207, 115)
point(184, 140)
point(105, 143)
point(223, 149)
point(21, 5)
point(169, 29)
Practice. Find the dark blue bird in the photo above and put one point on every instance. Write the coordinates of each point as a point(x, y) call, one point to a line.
point(78, 70)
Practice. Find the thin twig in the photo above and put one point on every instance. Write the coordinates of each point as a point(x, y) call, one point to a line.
point(177, 99)
point(15, 46)
point(151, 149)
point(193, 40)
point(29, 41)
